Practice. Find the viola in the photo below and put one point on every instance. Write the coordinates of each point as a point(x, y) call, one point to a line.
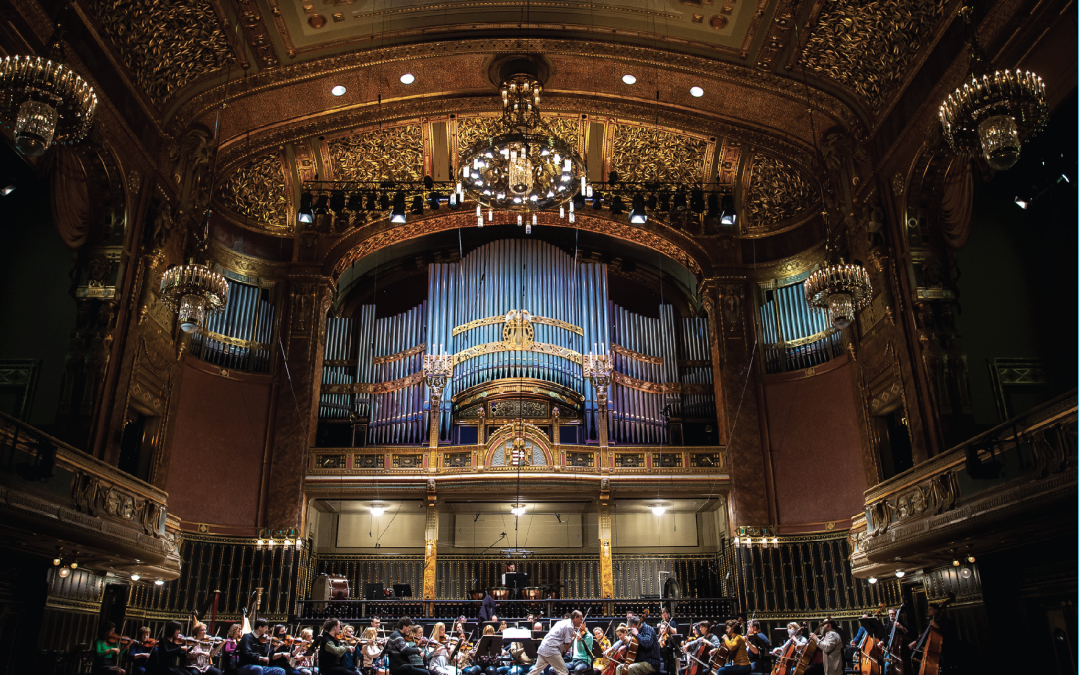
point(114, 639)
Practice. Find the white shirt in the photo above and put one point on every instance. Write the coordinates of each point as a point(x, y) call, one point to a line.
point(560, 634)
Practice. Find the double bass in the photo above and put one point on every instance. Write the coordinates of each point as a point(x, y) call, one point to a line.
point(870, 652)
point(931, 642)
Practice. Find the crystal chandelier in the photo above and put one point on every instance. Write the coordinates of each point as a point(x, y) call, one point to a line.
point(525, 168)
point(841, 289)
point(993, 112)
point(49, 102)
point(194, 292)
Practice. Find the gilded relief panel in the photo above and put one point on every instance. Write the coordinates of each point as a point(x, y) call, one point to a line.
point(257, 191)
point(166, 45)
point(868, 46)
point(471, 129)
point(776, 192)
point(394, 153)
point(641, 153)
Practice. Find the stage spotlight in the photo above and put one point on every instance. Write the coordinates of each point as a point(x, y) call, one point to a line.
point(305, 214)
point(637, 214)
point(397, 214)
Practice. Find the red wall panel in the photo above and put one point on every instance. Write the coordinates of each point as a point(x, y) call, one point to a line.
point(816, 447)
point(219, 432)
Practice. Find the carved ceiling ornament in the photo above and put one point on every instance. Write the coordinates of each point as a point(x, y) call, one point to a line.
point(472, 129)
point(868, 46)
point(166, 45)
point(389, 153)
point(642, 153)
point(776, 192)
point(257, 190)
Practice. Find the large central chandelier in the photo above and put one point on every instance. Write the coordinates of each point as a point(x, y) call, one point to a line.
point(525, 168)
point(992, 113)
point(49, 102)
point(195, 292)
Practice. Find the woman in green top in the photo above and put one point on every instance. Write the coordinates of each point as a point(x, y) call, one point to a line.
point(107, 651)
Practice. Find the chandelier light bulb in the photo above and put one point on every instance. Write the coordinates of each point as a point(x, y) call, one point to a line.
point(75, 565)
point(35, 126)
point(971, 558)
point(519, 219)
point(194, 292)
point(956, 563)
point(872, 580)
point(966, 573)
point(338, 90)
point(528, 228)
point(159, 582)
point(56, 561)
point(900, 574)
point(480, 221)
point(1000, 141)
point(408, 78)
point(735, 541)
point(64, 572)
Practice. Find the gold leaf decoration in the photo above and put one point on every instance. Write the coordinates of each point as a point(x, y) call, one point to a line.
point(566, 128)
point(777, 192)
point(257, 191)
point(166, 45)
point(867, 46)
point(394, 153)
point(472, 129)
point(646, 153)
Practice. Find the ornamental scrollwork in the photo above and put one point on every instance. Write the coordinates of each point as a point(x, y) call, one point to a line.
point(257, 190)
point(642, 154)
point(868, 46)
point(394, 153)
point(472, 129)
point(777, 191)
point(166, 45)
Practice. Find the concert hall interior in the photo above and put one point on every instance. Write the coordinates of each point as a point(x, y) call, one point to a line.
point(742, 309)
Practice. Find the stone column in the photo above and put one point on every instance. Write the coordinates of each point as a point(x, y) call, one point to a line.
point(731, 346)
point(306, 300)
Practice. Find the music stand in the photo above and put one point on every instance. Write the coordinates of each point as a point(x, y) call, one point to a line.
point(516, 580)
point(490, 646)
point(874, 627)
point(373, 591)
point(530, 645)
point(402, 590)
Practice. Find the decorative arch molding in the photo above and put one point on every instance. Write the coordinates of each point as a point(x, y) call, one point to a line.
point(536, 444)
point(365, 241)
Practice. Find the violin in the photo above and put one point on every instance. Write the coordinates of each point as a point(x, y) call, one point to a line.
point(114, 639)
point(149, 643)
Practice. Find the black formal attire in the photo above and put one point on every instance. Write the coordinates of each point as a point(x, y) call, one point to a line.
point(667, 652)
point(398, 653)
point(487, 608)
point(762, 661)
point(251, 650)
point(166, 659)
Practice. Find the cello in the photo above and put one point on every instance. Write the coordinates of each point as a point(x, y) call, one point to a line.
point(697, 659)
point(932, 640)
point(809, 650)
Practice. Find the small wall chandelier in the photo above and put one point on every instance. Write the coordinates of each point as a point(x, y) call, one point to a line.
point(49, 102)
point(195, 292)
point(841, 289)
point(992, 113)
point(525, 168)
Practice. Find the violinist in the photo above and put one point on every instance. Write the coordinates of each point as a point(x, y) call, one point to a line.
point(304, 654)
point(398, 651)
point(231, 660)
point(416, 639)
point(439, 663)
point(107, 650)
point(281, 649)
point(331, 650)
point(557, 641)
point(603, 644)
point(665, 628)
point(371, 651)
point(255, 651)
point(581, 653)
point(351, 659)
point(757, 648)
point(481, 665)
point(140, 652)
point(648, 651)
point(736, 646)
point(165, 659)
point(831, 648)
point(200, 653)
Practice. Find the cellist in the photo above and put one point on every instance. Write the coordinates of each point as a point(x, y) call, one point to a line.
point(787, 654)
point(694, 648)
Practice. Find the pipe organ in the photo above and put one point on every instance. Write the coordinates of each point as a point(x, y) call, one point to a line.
point(516, 317)
point(241, 336)
point(795, 335)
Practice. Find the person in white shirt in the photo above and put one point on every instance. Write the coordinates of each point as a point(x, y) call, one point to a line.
point(557, 641)
point(832, 650)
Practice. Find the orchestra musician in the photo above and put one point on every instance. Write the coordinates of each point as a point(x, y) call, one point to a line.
point(557, 641)
point(701, 630)
point(281, 652)
point(520, 660)
point(667, 626)
point(200, 655)
point(757, 648)
point(231, 660)
point(481, 664)
point(795, 635)
point(304, 654)
point(331, 650)
point(581, 654)
point(140, 652)
point(830, 646)
point(603, 644)
point(165, 659)
point(415, 638)
point(372, 649)
point(487, 608)
point(107, 650)
point(254, 653)
point(648, 651)
point(859, 636)
point(439, 664)
point(398, 651)
point(940, 621)
point(736, 646)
